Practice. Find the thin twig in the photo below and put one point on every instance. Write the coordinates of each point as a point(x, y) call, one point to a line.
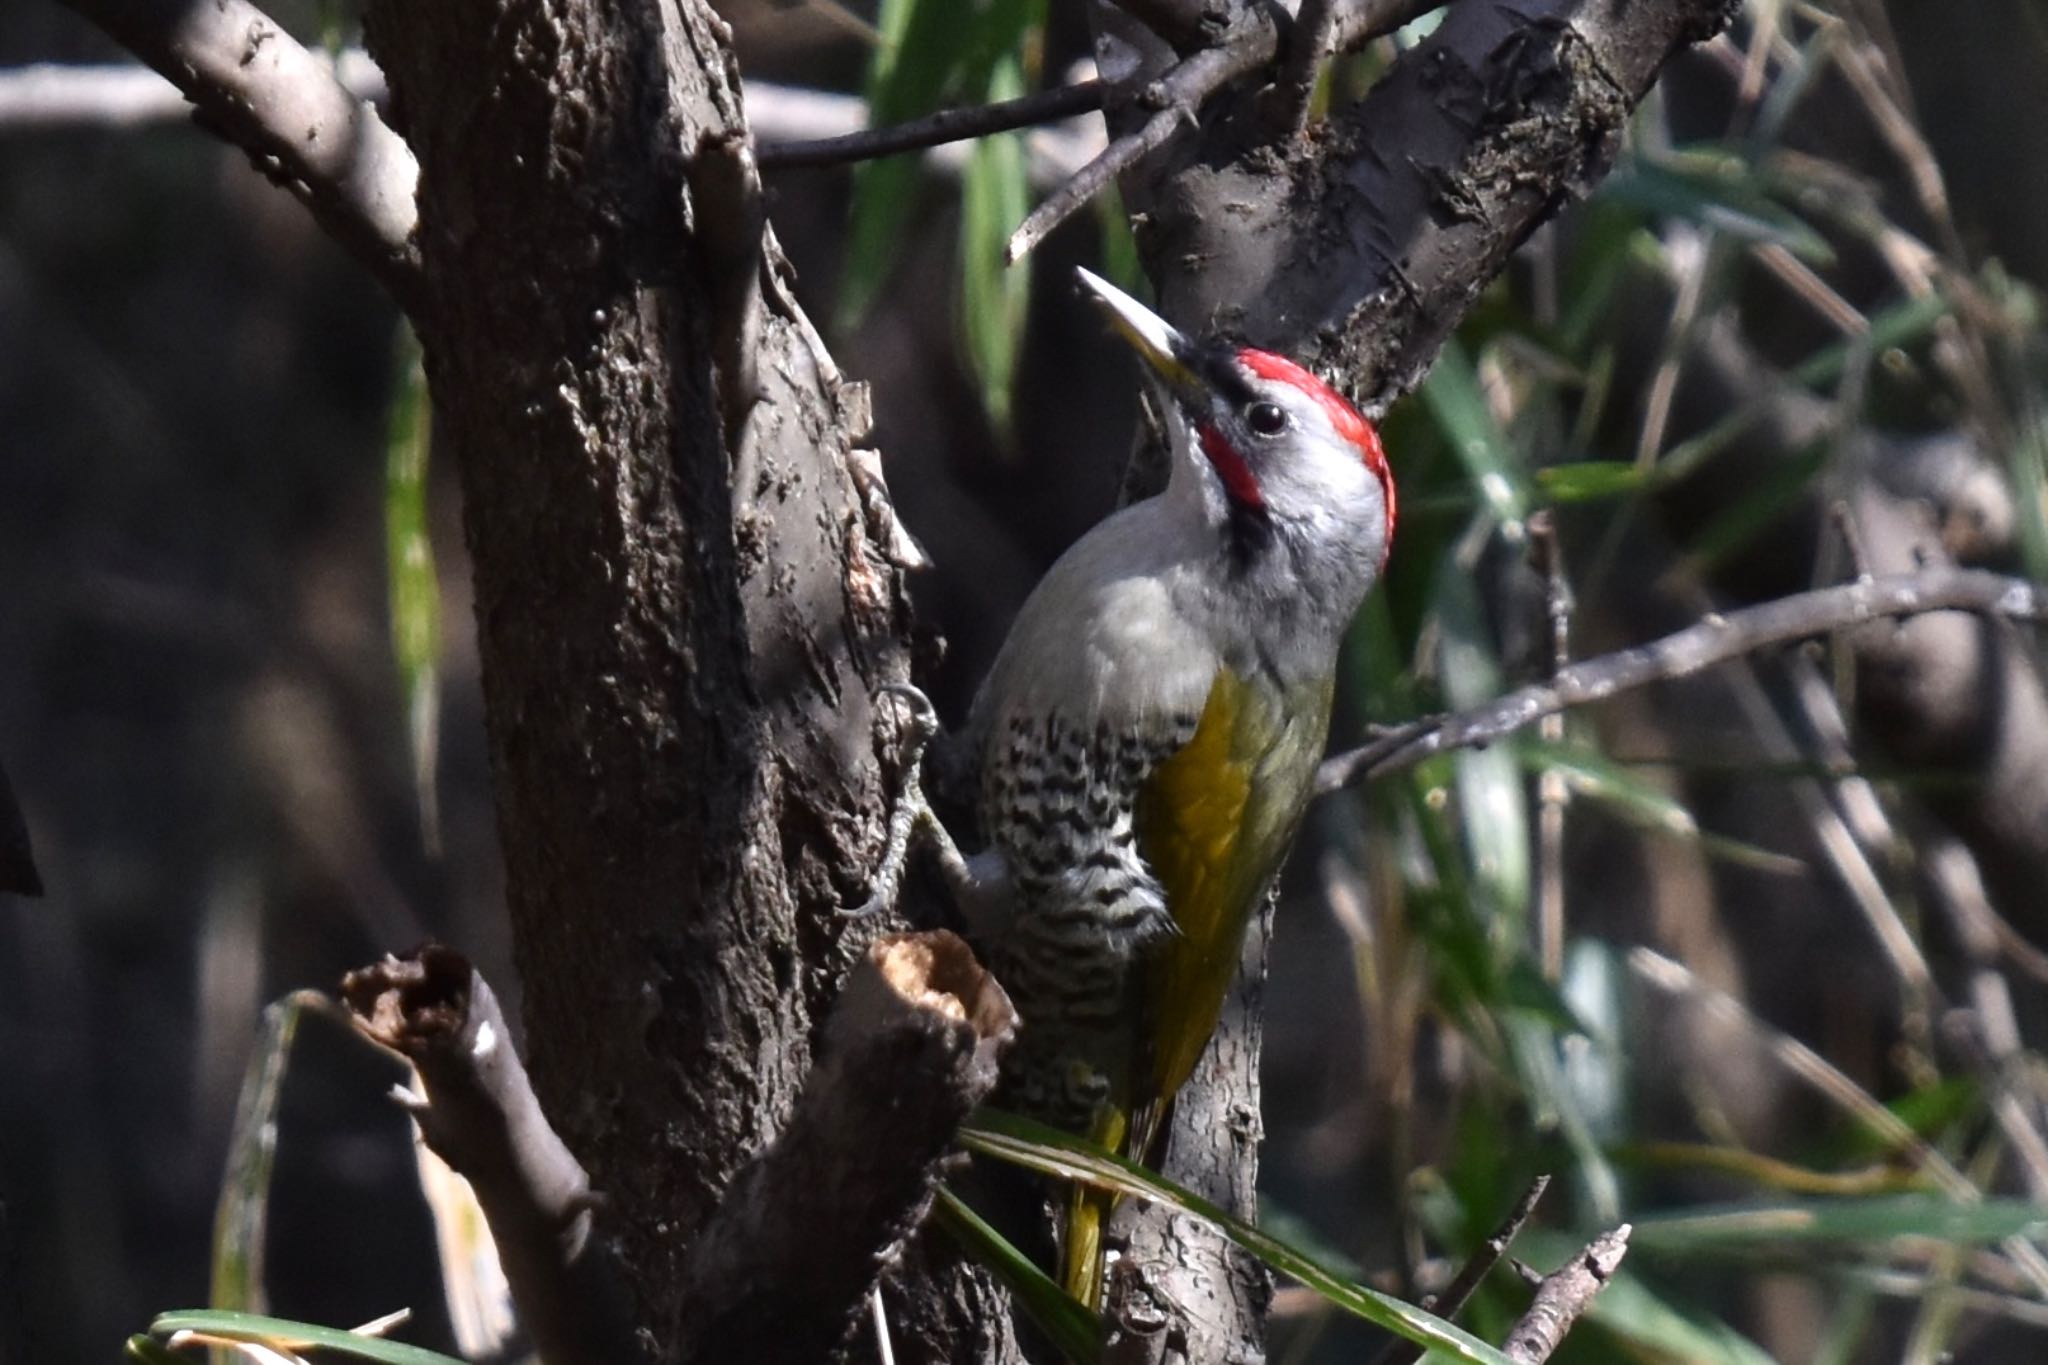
point(1715, 639)
point(1180, 93)
point(1092, 179)
point(1565, 1294)
point(947, 125)
point(254, 83)
point(1446, 1305)
point(1301, 62)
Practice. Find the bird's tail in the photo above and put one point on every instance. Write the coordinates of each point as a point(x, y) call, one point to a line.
point(1081, 1268)
point(1088, 1209)
point(1081, 1275)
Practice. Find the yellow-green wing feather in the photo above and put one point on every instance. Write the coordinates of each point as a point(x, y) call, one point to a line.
point(1213, 824)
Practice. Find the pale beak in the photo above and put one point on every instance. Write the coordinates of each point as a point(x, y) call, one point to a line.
point(1161, 346)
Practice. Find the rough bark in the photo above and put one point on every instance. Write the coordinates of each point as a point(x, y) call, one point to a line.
point(680, 607)
point(783, 1271)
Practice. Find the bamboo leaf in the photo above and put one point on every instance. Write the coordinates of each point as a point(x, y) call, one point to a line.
point(1454, 399)
point(1735, 1228)
point(1719, 190)
point(930, 53)
point(282, 1334)
point(414, 586)
point(1593, 775)
point(1590, 480)
point(993, 295)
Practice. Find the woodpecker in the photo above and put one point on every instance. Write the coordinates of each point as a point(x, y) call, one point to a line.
point(1148, 737)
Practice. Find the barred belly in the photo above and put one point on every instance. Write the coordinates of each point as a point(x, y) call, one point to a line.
point(1059, 800)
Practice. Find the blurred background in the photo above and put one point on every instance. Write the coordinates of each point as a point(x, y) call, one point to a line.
point(1755, 961)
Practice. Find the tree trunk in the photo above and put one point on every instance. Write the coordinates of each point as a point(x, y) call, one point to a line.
point(681, 596)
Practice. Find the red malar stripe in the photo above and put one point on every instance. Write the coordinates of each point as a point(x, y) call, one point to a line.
point(1238, 480)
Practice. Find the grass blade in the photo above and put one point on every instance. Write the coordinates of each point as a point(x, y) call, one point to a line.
point(294, 1337)
point(994, 197)
point(1064, 1319)
point(241, 1214)
point(1006, 1137)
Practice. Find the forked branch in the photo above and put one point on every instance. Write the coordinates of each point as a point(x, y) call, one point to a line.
point(1178, 95)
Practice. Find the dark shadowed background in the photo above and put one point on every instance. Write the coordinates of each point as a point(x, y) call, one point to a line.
point(202, 716)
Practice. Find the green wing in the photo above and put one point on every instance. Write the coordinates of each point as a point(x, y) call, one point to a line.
point(1214, 823)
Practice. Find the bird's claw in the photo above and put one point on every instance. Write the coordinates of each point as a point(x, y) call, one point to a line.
point(911, 810)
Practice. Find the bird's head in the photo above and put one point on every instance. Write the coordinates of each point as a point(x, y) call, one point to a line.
point(1279, 460)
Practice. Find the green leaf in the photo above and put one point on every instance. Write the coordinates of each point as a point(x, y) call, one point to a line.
point(1452, 394)
point(1592, 774)
point(1926, 1111)
point(1493, 800)
point(294, 1336)
point(415, 587)
point(1120, 264)
point(932, 52)
point(1590, 480)
point(1719, 190)
point(1735, 1228)
point(994, 295)
point(241, 1214)
point(1065, 1320)
point(1048, 1151)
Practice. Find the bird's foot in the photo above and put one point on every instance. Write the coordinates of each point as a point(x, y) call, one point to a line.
point(912, 814)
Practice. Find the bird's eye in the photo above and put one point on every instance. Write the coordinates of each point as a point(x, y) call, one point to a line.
point(1267, 419)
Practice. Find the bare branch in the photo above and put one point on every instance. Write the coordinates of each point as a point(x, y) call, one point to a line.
point(1178, 95)
point(784, 119)
point(947, 125)
point(1565, 1294)
point(52, 95)
point(1401, 1351)
point(1713, 640)
point(1064, 202)
point(1301, 62)
point(786, 1266)
point(480, 1115)
point(255, 84)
